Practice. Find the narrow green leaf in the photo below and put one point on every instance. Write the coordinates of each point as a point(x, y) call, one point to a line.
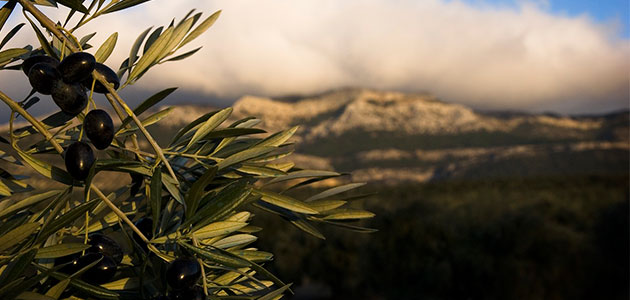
point(191, 125)
point(244, 155)
point(32, 200)
point(197, 190)
point(335, 191)
point(33, 296)
point(66, 219)
point(276, 293)
point(253, 255)
point(234, 240)
point(56, 290)
point(218, 228)
point(123, 284)
point(178, 35)
point(201, 28)
point(184, 56)
point(155, 199)
point(348, 214)
point(261, 171)
point(7, 55)
point(231, 132)
point(278, 138)
point(303, 174)
point(95, 291)
point(217, 257)
point(74, 4)
point(326, 205)
point(285, 201)
point(16, 268)
point(6, 11)
point(84, 40)
point(228, 199)
point(150, 120)
point(169, 183)
point(10, 35)
point(213, 122)
point(308, 228)
point(46, 169)
point(106, 48)
point(60, 250)
point(133, 53)
point(154, 35)
point(148, 103)
point(346, 225)
point(123, 5)
point(17, 235)
point(151, 56)
point(43, 41)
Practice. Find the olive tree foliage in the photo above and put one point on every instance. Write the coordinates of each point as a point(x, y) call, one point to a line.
point(197, 190)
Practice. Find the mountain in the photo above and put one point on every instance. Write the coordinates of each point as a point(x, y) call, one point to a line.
point(392, 137)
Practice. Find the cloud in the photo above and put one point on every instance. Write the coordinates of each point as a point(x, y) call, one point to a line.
point(486, 56)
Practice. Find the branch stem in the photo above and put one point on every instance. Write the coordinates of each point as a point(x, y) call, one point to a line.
point(38, 125)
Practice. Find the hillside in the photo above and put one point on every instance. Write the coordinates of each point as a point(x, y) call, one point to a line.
point(393, 137)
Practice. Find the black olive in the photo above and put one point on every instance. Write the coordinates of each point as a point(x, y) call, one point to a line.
point(183, 273)
point(161, 298)
point(76, 67)
point(194, 293)
point(102, 272)
point(35, 59)
point(106, 246)
point(99, 128)
point(71, 98)
point(145, 225)
point(70, 260)
point(43, 76)
point(109, 75)
point(79, 159)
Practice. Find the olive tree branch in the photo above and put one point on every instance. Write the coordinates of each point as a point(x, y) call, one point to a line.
point(50, 25)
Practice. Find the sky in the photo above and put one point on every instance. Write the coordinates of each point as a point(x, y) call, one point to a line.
point(570, 57)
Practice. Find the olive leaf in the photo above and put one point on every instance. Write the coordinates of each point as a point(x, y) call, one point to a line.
point(10, 35)
point(199, 30)
point(6, 11)
point(106, 48)
point(123, 5)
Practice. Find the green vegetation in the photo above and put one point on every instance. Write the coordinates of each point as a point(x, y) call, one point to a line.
point(519, 238)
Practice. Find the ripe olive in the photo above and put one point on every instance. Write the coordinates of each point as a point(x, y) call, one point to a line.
point(71, 259)
point(35, 59)
point(183, 273)
point(145, 225)
point(99, 128)
point(71, 98)
point(194, 293)
point(101, 272)
point(76, 67)
point(79, 159)
point(106, 246)
point(43, 77)
point(109, 75)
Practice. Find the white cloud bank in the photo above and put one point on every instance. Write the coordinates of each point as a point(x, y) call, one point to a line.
point(496, 58)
